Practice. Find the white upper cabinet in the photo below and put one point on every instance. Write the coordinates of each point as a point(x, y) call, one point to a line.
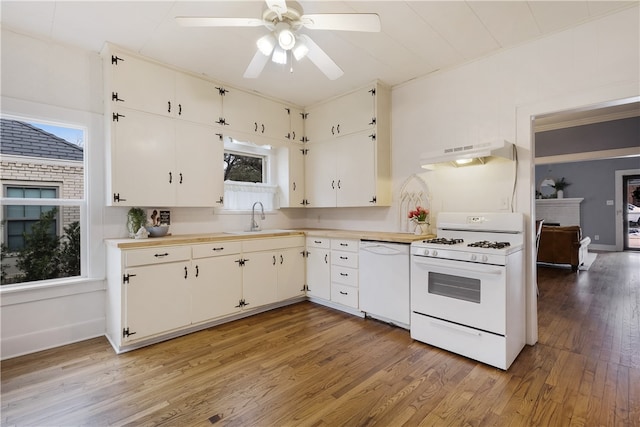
point(143, 85)
point(347, 114)
point(349, 165)
point(255, 115)
point(296, 125)
point(291, 175)
point(159, 161)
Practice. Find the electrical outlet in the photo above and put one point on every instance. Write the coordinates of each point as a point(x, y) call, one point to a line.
point(596, 237)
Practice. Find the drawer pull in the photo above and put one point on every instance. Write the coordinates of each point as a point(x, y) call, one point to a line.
point(344, 257)
point(161, 255)
point(344, 293)
point(317, 241)
point(344, 274)
point(221, 248)
point(344, 244)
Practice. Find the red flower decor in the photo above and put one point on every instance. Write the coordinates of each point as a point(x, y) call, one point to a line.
point(420, 214)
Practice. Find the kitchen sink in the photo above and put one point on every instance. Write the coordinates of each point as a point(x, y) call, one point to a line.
point(266, 231)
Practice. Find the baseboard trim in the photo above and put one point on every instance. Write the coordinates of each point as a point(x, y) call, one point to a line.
point(51, 338)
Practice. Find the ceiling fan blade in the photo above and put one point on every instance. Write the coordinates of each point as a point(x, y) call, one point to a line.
point(195, 21)
point(369, 22)
point(321, 59)
point(278, 6)
point(256, 65)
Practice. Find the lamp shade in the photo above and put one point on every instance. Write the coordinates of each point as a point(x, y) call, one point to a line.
point(279, 55)
point(266, 44)
point(301, 49)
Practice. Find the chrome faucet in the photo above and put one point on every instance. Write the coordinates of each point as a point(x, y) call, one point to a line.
point(254, 224)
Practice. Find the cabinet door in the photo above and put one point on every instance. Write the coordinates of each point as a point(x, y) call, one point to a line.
point(320, 173)
point(319, 273)
point(291, 175)
point(272, 120)
point(199, 174)
point(217, 287)
point(356, 170)
point(290, 273)
point(142, 163)
point(197, 100)
point(296, 125)
point(259, 278)
point(345, 115)
point(142, 85)
point(157, 299)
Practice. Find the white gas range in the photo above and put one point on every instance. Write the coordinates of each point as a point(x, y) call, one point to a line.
point(467, 286)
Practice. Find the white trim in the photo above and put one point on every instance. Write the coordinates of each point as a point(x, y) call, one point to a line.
point(21, 293)
point(589, 155)
point(41, 160)
point(618, 206)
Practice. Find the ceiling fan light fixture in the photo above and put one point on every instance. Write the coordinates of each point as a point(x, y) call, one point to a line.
point(279, 55)
point(266, 44)
point(300, 49)
point(286, 38)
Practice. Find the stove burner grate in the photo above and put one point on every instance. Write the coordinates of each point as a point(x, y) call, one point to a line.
point(489, 245)
point(443, 241)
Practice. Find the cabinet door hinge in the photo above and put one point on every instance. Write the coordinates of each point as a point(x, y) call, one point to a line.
point(373, 136)
point(222, 121)
point(114, 97)
point(117, 198)
point(304, 202)
point(219, 135)
point(373, 91)
point(373, 121)
point(373, 200)
point(115, 117)
point(125, 277)
point(305, 288)
point(305, 254)
point(115, 59)
point(304, 139)
point(304, 116)
point(222, 91)
point(221, 200)
point(304, 151)
point(242, 303)
point(126, 333)
point(288, 110)
point(241, 262)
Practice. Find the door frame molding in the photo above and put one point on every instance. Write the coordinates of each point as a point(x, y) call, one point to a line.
point(618, 204)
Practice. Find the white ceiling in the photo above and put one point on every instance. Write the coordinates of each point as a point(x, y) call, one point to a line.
point(417, 37)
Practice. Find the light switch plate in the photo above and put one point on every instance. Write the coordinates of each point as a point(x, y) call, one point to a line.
point(609, 202)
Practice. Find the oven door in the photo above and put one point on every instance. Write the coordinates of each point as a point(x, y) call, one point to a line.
point(466, 293)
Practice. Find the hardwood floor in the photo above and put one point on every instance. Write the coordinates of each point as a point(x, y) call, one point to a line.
point(307, 365)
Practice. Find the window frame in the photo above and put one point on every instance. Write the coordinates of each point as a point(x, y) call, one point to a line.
point(62, 118)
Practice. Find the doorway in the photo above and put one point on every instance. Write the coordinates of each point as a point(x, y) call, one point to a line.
point(631, 211)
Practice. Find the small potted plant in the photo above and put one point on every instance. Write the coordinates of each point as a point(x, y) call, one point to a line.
point(421, 217)
point(136, 219)
point(560, 186)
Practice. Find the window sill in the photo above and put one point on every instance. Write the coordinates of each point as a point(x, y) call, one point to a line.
point(21, 293)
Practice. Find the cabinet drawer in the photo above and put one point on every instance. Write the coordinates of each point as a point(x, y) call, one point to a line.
point(345, 295)
point(216, 249)
point(318, 242)
point(344, 275)
point(345, 245)
point(157, 255)
point(345, 259)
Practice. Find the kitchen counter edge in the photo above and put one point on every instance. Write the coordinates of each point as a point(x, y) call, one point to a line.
point(188, 239)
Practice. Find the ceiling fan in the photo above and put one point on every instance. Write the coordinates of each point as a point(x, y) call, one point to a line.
point(283, 40)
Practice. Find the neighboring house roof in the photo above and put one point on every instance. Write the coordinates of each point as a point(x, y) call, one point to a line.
point(22, 139)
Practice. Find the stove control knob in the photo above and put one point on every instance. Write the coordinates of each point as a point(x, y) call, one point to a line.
point(485, 258)
point(434, 253)
point(473, 257)
point(425, 252)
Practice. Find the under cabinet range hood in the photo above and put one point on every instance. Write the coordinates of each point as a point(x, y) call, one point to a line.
point(468, 154)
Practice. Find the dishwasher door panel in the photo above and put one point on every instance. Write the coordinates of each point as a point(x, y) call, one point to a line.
point(384, 282)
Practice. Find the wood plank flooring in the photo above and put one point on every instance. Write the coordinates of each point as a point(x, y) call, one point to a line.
point(307, 365)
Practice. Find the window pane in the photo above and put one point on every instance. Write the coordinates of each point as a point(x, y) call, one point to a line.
point(243, 168)
point(15, 192)
point(48, 193)
point(15, 212)
point(32, 212)
point(32, 193)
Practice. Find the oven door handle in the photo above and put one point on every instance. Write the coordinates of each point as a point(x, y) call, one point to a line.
point(456, 328)
point(481, 269)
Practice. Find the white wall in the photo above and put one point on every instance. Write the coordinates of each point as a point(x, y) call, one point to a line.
point(487, 99)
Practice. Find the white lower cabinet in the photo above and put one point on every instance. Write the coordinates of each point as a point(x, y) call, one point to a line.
point(217, 287)
point(160, 292)
point(319, 267)
point(332, 270)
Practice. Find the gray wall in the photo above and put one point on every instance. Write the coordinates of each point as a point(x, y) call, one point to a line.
point(594, 181)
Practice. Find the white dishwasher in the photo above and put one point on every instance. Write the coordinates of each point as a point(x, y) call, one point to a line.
point(384, 281)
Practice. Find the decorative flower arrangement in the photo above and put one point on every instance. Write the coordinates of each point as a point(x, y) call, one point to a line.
point(419, 215)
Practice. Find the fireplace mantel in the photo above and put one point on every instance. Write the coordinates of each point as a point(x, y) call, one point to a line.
point(559, 211)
